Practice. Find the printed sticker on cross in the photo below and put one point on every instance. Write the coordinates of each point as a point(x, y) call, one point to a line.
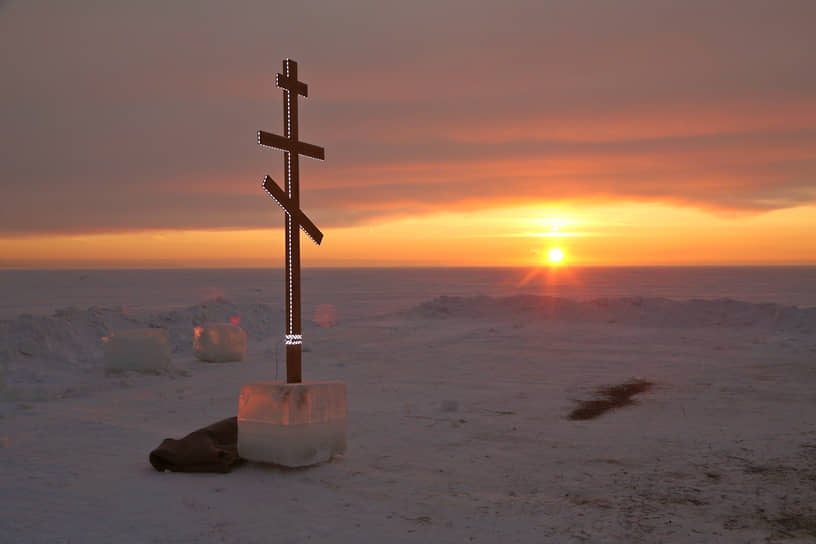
point(289, 199)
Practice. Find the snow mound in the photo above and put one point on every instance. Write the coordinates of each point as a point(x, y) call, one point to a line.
point(647, 312)
point(77, 336)
point(60, 355)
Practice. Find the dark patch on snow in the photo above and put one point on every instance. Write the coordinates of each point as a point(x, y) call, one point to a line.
point(609, 398)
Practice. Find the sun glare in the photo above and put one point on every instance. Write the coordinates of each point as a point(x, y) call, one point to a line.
point(555, 255)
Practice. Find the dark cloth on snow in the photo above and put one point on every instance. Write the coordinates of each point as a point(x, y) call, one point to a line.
point(213, 448)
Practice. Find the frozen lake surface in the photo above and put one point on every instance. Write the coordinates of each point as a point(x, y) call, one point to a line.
point(372, 290)
point(460, 384)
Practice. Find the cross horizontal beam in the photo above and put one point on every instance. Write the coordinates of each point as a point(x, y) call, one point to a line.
point(292, 146)
point(290, 84)
point(288, 206)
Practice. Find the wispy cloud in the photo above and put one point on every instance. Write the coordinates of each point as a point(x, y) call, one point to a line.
point(125, 117)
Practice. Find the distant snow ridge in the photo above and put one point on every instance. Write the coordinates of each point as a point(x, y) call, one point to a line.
point(54, 352)
point(259, 321)
point(648, 312)
point(77, 335)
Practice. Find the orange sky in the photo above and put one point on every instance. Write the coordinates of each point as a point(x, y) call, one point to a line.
point(603, 234)
point(462, 134)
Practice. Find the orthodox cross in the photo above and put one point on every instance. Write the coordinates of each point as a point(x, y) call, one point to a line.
point(289, 200)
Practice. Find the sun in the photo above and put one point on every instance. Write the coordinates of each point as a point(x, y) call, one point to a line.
point(555, 255)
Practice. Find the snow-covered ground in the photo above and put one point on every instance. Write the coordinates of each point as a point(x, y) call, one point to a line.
point(458, 428)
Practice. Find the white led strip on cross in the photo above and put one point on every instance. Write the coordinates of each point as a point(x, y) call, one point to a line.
point(310, 237)
point(288, 103)
point(270, 194)
point(278, 202)
point(294, 339)
point(289, 256)
point(289, 190)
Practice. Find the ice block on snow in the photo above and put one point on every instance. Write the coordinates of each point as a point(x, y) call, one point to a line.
point(139, 350)
point(219, 343)
point(293, 425)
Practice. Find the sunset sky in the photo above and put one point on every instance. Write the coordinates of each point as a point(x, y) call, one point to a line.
point(456, 133)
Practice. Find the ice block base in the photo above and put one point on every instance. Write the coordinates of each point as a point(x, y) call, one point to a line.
point(293, 425)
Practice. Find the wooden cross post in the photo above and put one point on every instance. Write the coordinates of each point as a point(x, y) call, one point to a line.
point(289, 200)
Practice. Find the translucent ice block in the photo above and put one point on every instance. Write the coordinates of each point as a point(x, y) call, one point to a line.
point(293, 425)
point(219, 343)
point(139, 350)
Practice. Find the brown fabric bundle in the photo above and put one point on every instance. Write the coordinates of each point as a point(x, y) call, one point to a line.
point(213, 448)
